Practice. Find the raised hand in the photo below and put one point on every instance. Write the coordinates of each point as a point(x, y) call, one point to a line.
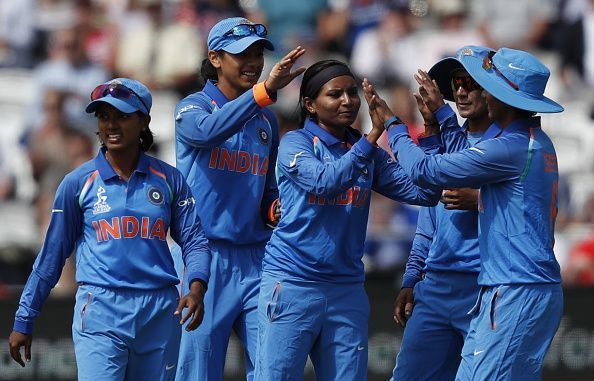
point(281, 75)
point(429, 91)
point(431, 123)
point(378, 108)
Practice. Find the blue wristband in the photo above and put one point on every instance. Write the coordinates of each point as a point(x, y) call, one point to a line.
point(391, 121)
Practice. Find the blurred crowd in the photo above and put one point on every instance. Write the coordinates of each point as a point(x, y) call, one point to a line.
point(54, 52)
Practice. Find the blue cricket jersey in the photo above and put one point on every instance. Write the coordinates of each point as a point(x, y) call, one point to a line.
point(227, 152)
point(119, 229)
point(325, 188)
point(445, 240)
point(517, 172)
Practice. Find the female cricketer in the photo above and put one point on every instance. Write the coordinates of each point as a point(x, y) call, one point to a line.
point(116, 210)
point(312, 299)
point(226, 146)
point(521, 300)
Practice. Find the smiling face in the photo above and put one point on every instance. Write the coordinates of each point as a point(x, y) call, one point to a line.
point(336, 105)
point(468, 96)
point(238, 72)
point(119, 131)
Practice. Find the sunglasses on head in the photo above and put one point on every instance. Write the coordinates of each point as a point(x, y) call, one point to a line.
point(466, 82)
point(116, 90)
point(488, 64)
point(244, 30)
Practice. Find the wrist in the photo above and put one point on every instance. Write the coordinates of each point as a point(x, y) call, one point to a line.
point(393, 120)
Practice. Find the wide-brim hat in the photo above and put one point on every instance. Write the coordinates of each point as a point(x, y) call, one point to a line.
point(515, 77)
point(219, 39)
point(442, 71)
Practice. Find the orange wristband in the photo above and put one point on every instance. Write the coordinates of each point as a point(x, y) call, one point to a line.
point(261, 95)
point(271, 210)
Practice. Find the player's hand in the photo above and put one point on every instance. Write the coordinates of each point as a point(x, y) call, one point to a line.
point(379, 111)
point(277, 213)
point(431, 123)
point(403, 305)
point(16, 340)
point(281, 74)
point(194, 302)
point(460, 199)
point(429, 91)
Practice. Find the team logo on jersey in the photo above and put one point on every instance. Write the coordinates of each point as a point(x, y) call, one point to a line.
point(155, 196)
point(101, 205)
point(263, 135)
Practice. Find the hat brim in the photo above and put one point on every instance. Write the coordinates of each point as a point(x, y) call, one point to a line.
point(115, 102)
point(494, 84)
point(441, 72)
point(239, 46)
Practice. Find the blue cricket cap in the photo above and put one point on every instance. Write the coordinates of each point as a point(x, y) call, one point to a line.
point(220, 39)
point(125, 94)
point(442, 71)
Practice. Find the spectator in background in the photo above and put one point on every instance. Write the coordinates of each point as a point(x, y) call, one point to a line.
point(386, 52)
point(579, 267)
point(16, 33)
point(518, 24)
point(68, 71)
point(163, 55)
point(290, 22)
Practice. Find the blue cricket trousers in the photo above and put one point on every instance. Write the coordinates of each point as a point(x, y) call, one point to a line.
point(126, 334)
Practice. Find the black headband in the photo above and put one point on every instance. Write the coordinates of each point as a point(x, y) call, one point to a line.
point(320, 78)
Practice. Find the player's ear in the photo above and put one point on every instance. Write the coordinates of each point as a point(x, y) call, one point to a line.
point(215, 58)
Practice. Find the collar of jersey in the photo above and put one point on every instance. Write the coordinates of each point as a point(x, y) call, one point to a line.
point(214, 93)
point(326, 137)
point(521, 124)
point(107, 172)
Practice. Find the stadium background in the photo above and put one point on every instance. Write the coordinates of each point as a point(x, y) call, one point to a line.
point(53, 52)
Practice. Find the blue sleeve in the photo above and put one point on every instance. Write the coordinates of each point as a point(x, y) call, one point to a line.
point(64, 230)
point(297, 159)
point(452, 135)
point(199, 126)
point(488, 162)
point(390, 180)
point(270, 189)
point(187, 232)
point(420, 247)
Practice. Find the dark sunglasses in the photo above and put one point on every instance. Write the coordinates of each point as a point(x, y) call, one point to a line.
point(465, 82)
point(244, 30)
point(488, 64)
point(116, 90)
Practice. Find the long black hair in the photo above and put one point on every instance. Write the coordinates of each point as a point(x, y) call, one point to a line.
point(305, 89)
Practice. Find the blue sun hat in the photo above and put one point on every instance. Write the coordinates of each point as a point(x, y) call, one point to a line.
point(442, 71)
point(515, 77)
point(125, 94)
point(236, 34)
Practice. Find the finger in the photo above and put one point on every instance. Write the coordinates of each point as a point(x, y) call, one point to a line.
point(408, 309)
point(15, 353)
point(28, 351)
point(297, 73)
point(196, 320)
point(180, 306)
point(189, 312)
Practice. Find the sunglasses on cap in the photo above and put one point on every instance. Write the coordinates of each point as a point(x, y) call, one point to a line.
point(244, 30)
point(465, 82)
point(116, 90)
point(488, 64)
